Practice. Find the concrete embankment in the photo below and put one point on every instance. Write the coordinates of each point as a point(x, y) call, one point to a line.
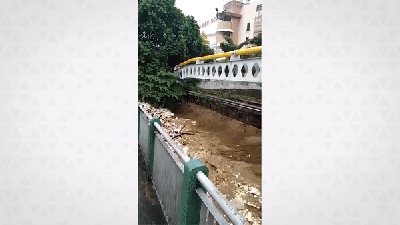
point(247, 113)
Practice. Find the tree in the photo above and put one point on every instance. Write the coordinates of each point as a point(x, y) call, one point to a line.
point(242, 44)
point(228, 46)
point(166, 37)
point(205, 38)
point(257, 40)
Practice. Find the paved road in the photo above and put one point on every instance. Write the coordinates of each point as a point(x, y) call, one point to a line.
point(150, 211)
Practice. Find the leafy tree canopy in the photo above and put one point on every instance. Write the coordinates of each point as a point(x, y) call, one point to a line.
point(166, 37)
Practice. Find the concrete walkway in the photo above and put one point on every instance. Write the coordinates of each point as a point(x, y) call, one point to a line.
point(150, 211)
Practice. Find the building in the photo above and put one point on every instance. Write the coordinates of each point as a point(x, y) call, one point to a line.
point(238, 20)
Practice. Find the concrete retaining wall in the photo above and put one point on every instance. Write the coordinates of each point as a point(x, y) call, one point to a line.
point(222, 84)
point(246, 113)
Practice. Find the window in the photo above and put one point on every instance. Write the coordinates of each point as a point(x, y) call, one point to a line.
point(259, 7)
point(222, 16)
point(225, 33)
point(247, 38)
point(248, 26)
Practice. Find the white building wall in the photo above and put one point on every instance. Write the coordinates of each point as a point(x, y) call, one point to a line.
point(210, 31)
point(248, 14)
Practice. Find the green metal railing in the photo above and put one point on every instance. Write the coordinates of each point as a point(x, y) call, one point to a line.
point(195, 182)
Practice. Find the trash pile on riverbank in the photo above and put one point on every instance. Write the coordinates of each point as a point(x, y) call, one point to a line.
point(166, 117)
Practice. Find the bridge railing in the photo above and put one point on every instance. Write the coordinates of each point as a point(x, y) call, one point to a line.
point(236, 69)
point(185, 193)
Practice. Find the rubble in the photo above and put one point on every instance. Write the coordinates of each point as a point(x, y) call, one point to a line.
point(254, 191)
point(237, 202)
point(166, 117)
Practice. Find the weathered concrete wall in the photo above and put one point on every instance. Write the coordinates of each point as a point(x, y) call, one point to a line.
point(248, 114)
point(231, 87)
point(255, 93)
point(222, 84)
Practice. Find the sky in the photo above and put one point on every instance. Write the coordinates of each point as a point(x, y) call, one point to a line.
point(201, 10)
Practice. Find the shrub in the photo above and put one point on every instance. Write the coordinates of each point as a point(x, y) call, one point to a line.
point(161, 89)
point(257, 40)
point(228, 46)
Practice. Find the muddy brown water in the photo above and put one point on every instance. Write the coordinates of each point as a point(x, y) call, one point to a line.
point(229, 148)
point(244, 141)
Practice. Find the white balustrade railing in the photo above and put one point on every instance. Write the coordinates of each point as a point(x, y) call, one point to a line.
point(249, 70)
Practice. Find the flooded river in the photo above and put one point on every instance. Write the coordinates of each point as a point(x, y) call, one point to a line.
point(232, 152)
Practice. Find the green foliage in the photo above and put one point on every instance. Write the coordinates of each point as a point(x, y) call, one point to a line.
point(251, 56)
point(174, 36)
point(161, 89)
point(242, 44)
point(166, 37)
point(205, 38)
point(193, 40)
point(209, 60)
point(257, 40)
point(190, 83)
point(228, 46)
point(206, 50)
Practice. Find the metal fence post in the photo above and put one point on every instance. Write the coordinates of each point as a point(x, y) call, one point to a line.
point(152, 135)
point(139, 123)
point(190, 201)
